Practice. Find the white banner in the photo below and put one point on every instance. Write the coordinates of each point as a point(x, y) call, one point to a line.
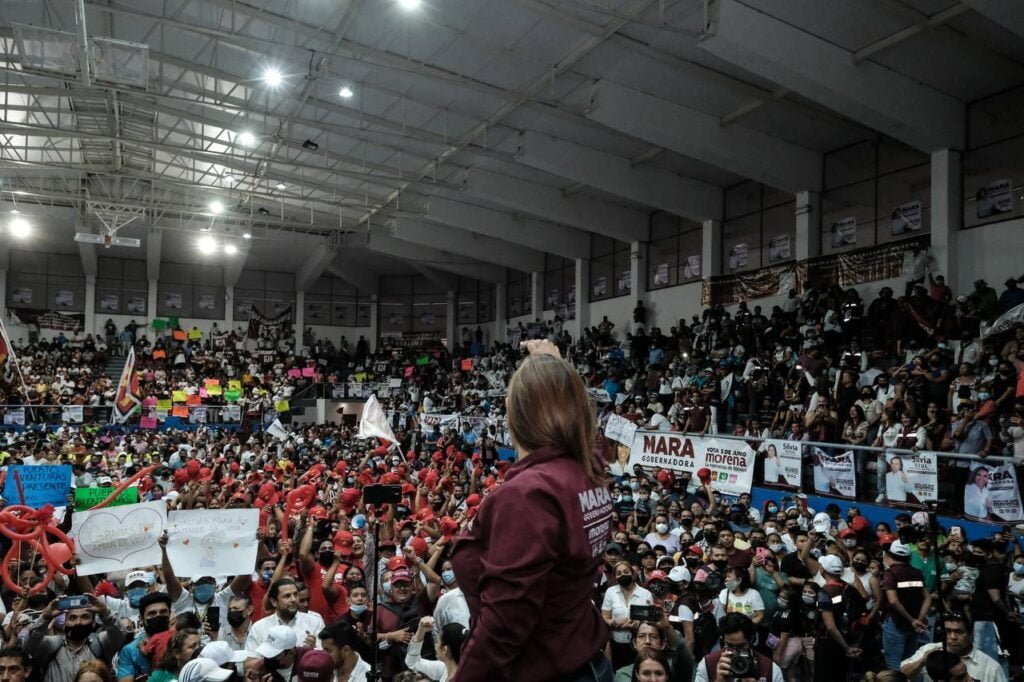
point(844, 232)
point(119, 538)
point(212, 542)
point(738, 256)
point(905, 218)
point(620, 429)
point(914, 480)
point(692, 267)
point(731, 461)
point(661, 275)
point(834, 475)
point(991, 493)
point(994, 199)
point(779, 248)
point(73, 414)
point(782, 463)
point(14, 416)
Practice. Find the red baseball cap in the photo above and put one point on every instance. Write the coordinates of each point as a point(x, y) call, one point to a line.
point(449, 527)
point(418, 545)
point(657, 575)
point(847, 533)
point(396, 562)
point(343, 541)
point(401, 576)
point(887, 539)
point(473, 500)
point(425, 515)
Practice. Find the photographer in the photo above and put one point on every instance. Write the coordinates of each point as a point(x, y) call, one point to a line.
point(737, 659)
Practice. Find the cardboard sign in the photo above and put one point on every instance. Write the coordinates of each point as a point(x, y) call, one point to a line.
point(164, 405)
point(234, 385)
point(294, 373)
point(37, 486)
point(212, 542)
point(119, 538)
point(87, 498)
point(282, 406)
point(148, 422)
point(309, 372)
point(178, 396)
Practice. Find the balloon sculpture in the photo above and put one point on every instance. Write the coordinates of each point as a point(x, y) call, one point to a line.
point(24, 524)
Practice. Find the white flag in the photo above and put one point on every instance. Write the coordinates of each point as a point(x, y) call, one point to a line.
point(374, 423)
point(1006, 321)
point(277, 430)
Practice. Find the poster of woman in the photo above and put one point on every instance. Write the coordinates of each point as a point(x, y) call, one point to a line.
point(977, 496)
point(897, 483)
point(991, 493)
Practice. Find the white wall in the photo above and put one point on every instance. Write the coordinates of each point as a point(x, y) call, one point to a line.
point(991, 252)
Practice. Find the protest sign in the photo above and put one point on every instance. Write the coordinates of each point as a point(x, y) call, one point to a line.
point(914, 480)
point(294, 373)
point(991, 493)
point(232, 396)
point(209, 383)
point(214, 390)
point(309, 372)
point(731, 462)
point(212, 542)
point(180, 411)
point(164, 405)
point(834, 475)
point(782, 463)
point(194, 401)
point(37, 486)
point(148, 422)
point(178, 396)
point(118, 538)
point(234, 385)
point(282, 406)
point(87, 498)
point(620, 429)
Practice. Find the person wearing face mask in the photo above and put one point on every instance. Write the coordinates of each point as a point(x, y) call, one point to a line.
point(155, 616)
point(234, 629)
point(615, 611)
point(451, 606)
point(838, 637)
point(58, 657)
point(661, 535)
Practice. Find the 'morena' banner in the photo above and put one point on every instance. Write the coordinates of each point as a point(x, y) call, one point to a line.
point(731, 461)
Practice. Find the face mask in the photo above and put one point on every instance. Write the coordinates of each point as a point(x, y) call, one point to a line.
point(994, 362)
point(267, 575)
point(448, 576)
point(712, 538)
point(157, 624)
point(662, 528)
point(135, 596)
point(326, 558)
point(776, 547)
point(658, 589)
point(385, 587)
point(984, 395)
point(235, 618)
point(1018, 569)
point(951, 566)
point(773, 510)
point(204, 593)
point(78, 633)
point(627, 498)
point(732, 584)
point(635, 485)
point(849, 542)
point(783, 603)
point(358, 609)
point(624, 580)
point(808, 599)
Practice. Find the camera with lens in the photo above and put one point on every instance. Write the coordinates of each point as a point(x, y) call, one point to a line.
point(742, 664)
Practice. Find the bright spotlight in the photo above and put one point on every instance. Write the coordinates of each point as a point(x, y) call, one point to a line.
point(216, 207)
point(346, 92)
point(206, 244)
point(280, 185)
point(20, 228)
point(272, 77)
point(246, 235)
point(230, 249)
point(409, 4)
point(246, 139)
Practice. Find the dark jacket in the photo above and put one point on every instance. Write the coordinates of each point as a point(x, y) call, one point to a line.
point(527, 565)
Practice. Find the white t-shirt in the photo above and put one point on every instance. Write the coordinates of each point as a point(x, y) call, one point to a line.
point(747, 603)
point(671, 543)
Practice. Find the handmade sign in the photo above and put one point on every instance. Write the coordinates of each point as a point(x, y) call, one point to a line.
point(212, 542)
point(164, 405)
point(309, 372)
point(87, 498)
point(282, 406)
point(148, 422)
point(234, 385)
point(36, 486)
point(119, 538)
point(620, 429)
point(178, 396)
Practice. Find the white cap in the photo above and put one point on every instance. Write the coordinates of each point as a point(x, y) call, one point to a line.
point(279, 638)
point(679, 574)
point(919, 518)
point(139, 577)
point(897, 548)
point(822, 522)
point(221, 653)
point(831, 564)
point(755, 515)
point(201, 670)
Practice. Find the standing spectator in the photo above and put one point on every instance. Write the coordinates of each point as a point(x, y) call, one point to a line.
point(80, 643)
point(907, 603)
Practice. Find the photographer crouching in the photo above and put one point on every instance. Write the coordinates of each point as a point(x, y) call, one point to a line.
point(737, 661)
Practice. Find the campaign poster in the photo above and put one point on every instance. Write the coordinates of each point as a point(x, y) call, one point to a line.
point(779, 248)
point(844, 232)
point(661, 275)
point(991, 493)
point(207, 302)
point(911, 480)
point(601, 286)
point(731, 462)
point(64, 298)
point(994, 199)
point(110, 303)
point(905, 218)
point(738, 257)
point(834, 475)
point(692, 267)
point(782, 459)
point(172, 300)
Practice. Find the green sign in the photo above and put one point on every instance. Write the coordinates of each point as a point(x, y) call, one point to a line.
point(87, 498)
point(423, 360)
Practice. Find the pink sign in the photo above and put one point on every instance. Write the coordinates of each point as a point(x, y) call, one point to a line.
point(309, 371)
point(295, 373)
point(203, 393)
point(408, 372)
point(147, 422)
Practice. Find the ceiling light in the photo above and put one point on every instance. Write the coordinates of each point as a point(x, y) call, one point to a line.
point(206, 244)
point(409, 4)
point(230, 178)
point(230, 249)
point(20, 228)
point(346, 92)
point(246, 139)
point(216, 207)
point(272, 77)
point(19, 192)
point(280, 185)
point(247, 235)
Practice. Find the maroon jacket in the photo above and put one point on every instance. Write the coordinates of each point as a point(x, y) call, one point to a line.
point(527, 565)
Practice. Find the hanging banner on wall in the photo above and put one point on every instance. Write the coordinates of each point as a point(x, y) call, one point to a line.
point(905, 218)
point(779, 248)
point(261, 325)
point(782, 460)
point(692, 267)
point(136, 305)
point(731, 461)
point(738, 256)
point(991, 493)
point(601, 286)
point(994, 199)
point(172, 300)
point(844, 232)
point(661, 275)
point(21, 296)
point(834, 475)
point(65, 322)
point(110, 303)
point(206, 302)
point(64, 298)
point(913, 480)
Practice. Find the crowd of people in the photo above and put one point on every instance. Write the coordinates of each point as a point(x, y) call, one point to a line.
point(681, 583)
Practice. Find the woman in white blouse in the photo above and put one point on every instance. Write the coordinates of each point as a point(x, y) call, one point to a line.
point(449, 647)
point(615, 611)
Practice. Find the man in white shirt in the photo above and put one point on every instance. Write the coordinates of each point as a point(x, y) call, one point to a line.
point(284, 598)
point(959, 642)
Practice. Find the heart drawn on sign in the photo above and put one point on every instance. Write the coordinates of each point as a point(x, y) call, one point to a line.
point(109, 535)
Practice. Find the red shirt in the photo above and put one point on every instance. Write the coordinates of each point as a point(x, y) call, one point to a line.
point(527, 565)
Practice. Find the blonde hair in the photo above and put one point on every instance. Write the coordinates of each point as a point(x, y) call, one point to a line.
point(548, 406)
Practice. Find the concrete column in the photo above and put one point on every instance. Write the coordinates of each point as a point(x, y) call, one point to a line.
point(637, 279)
point(500, 313)
point(947, 214)
point(90, 304)
point(808, 225)
point(229, 309)
point(711, 249)
point(582, 281)
point(450, 313)
point(300, 318)
point(537, 294)
point(374, 322)
point(151, 300)
point(3, 294)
